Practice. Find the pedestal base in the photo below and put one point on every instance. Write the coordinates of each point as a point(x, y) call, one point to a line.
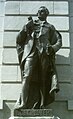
point(33, 112)
point(34, 117)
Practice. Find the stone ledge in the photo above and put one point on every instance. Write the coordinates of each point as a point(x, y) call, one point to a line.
point(34, 117)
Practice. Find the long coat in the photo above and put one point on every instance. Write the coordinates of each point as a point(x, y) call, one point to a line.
point(25, 44)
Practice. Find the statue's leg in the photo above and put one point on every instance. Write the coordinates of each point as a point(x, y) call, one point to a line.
point(25, 74)
point(33, 98)
point(45, 79)
point(30, 92)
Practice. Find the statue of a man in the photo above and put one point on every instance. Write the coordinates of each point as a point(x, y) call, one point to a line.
point(37, 44)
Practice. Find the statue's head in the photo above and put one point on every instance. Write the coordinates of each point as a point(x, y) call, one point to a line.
point(43, 12)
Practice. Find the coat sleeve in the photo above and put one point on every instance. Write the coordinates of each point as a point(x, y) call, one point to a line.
point(20, 41)
point(56, 39)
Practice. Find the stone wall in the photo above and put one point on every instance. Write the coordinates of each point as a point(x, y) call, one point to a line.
point(11, 21)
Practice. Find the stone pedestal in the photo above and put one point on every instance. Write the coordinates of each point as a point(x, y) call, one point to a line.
point(33, 114)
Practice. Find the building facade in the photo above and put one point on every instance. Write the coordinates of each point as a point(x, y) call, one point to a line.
point(13, 15)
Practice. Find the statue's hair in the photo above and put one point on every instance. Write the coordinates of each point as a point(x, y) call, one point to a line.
point(46, 10)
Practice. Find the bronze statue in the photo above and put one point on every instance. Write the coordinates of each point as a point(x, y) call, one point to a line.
point(37, 44)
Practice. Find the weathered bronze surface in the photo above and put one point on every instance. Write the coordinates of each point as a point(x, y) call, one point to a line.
point(37, 44)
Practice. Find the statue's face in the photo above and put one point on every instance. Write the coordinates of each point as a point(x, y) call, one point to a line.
point(42, 14)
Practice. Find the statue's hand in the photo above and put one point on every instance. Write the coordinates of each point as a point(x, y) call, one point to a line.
point(29, 25)
point(50, 50)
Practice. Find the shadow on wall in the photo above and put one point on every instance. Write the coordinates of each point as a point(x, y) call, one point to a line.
point(63, 67)
point(63, 57)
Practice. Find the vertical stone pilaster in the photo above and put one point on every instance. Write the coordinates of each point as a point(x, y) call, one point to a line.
point(2, 10)
point(71, 29)
point(70, 102)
